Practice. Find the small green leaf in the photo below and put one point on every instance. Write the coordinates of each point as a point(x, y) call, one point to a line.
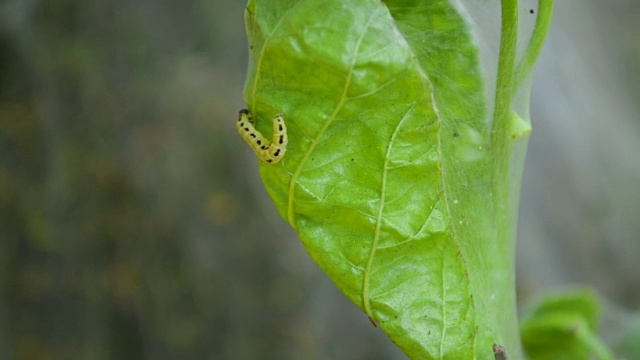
point(519, 126)
point(563, 326)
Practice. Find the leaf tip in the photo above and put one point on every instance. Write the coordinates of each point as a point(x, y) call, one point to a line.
point(373, 323)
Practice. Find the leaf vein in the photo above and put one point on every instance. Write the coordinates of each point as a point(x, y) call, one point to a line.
point(262, 52)
point(376, 237)
point(326, 125)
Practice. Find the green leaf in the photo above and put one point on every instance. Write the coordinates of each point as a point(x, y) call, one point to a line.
point(563, 326)
point(519, 126)
point(387, 178)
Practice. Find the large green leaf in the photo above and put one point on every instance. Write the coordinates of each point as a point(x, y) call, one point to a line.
point(386, 176)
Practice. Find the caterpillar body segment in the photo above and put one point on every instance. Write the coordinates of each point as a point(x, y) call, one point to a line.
point(269, 151)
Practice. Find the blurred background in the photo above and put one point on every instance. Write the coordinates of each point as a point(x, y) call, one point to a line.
point(134, 225)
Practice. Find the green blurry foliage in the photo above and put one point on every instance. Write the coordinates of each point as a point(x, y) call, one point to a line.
point(564, 326)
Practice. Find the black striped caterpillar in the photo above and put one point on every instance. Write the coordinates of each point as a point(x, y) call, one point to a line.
point(271, 152)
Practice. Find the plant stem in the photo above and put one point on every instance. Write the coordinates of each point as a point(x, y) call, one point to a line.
point(545, 10)
point(500, 152)
point(504, 85)
point(501, 144)
point(509, 78)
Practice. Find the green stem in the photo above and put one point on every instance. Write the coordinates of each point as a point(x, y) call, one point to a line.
point(509, 77)
point(545, 10)
point(500, 132)
point(500, 152)
point(504, 84)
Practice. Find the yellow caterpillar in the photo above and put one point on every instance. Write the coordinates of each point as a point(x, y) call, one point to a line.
point(269, 151)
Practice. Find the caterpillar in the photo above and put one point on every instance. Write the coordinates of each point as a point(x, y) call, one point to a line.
point(269, 151)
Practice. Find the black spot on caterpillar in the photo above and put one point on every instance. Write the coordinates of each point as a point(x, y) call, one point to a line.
point(269, 151)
